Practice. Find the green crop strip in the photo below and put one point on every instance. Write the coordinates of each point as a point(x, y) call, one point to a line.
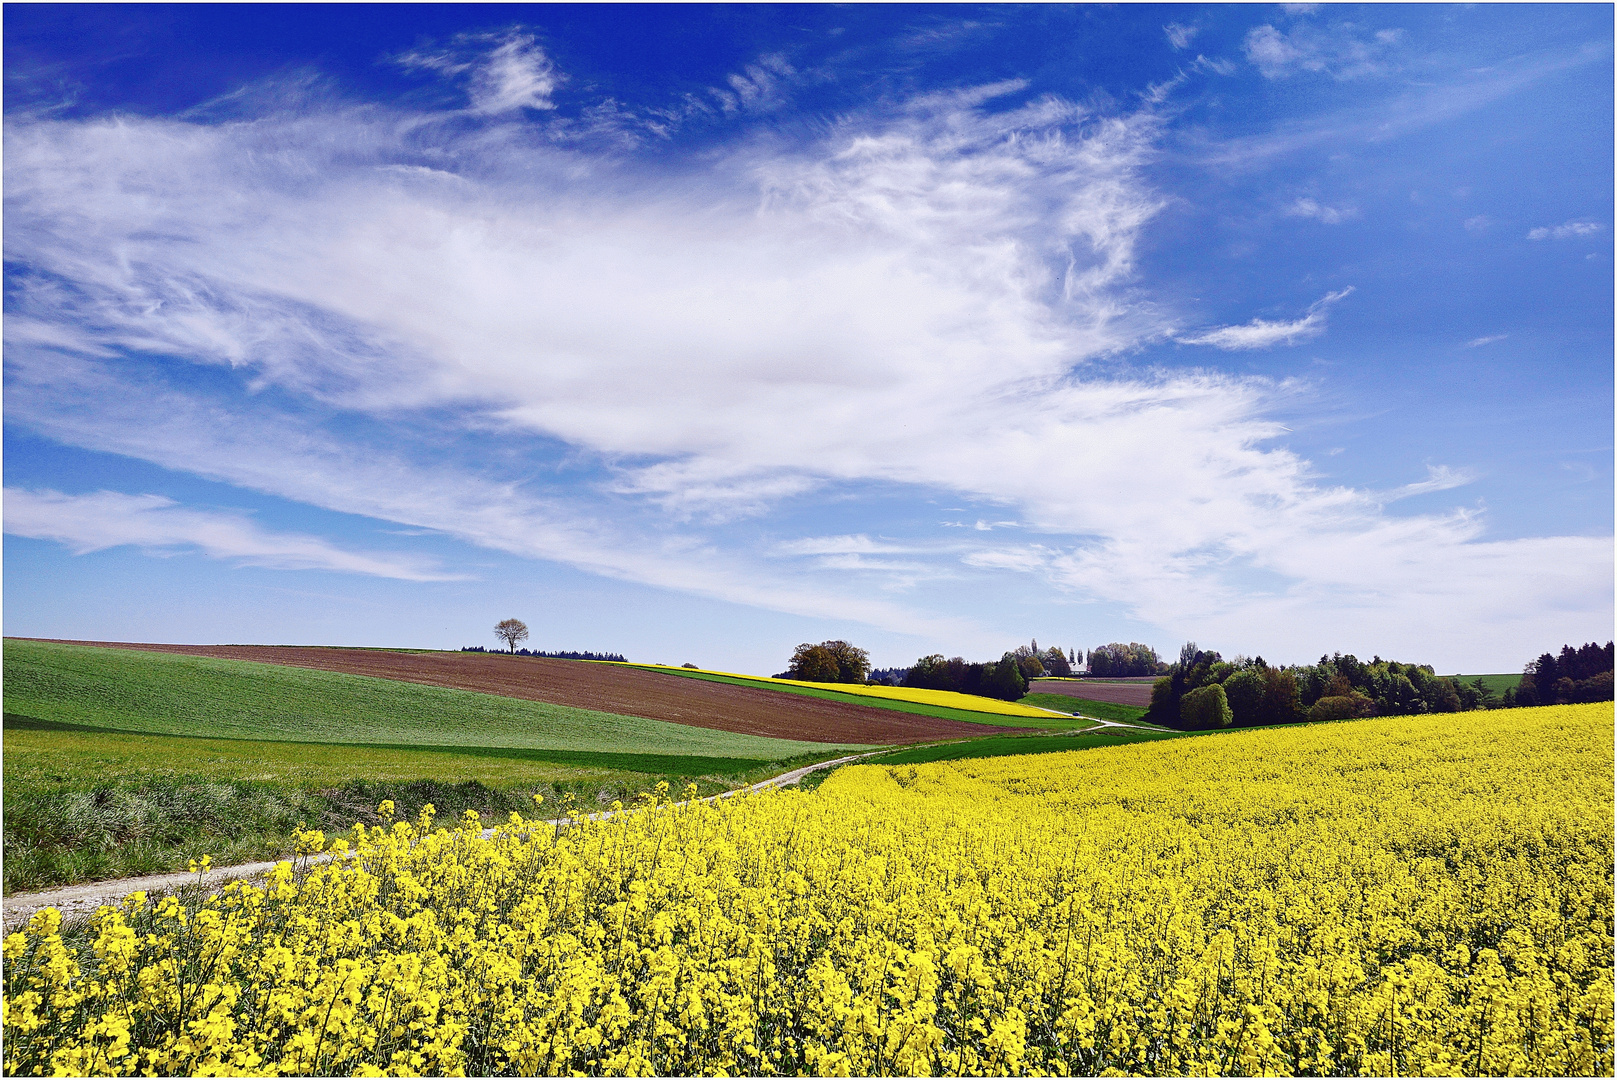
point(341, 760)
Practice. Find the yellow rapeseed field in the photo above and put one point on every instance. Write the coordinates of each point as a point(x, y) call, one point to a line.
point(948, 698)
point(1407, 896)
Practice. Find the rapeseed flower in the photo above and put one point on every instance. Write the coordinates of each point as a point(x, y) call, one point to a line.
point(1418, 895)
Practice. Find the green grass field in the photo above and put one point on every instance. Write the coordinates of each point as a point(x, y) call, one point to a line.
point(119, 762)
point(1054, 723)
point(167, 694)
point(1497, 683)
point(1100, 710)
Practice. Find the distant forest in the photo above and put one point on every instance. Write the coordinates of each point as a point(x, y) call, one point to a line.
point(1121, 661)
point(1005, 678)
point(1576, 675)
point(1203, 690)
point(617, 657)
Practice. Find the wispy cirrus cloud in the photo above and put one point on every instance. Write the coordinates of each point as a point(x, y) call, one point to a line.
point(1414, 109)
point(760, 86)
point(1266, 333)
point(155, 523)
point(502, 73)
point(1306, 207)
point(1180, 35)
point(1342, 50)
point(1438, 478)
point(851, 544)
point(1217, 65)
point(1564, 232)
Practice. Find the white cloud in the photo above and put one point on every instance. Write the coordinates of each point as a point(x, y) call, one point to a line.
point(1157, 93)
point(1478, 223)
point(1178, 35)
point(758, 87)
point(1217, 65)
point(598, 359)
point(503, 73)
point(1340, 51)
point(1264, 333)
point(1025, 560)
point(1270, 50)
point(865, 562)
point(108, 519)
point(1478, 342)
point(1438, 478)
point(1328, 215)
point(1563, 232)
point(858, 544)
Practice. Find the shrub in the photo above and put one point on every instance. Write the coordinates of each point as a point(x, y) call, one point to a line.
point(1004, 680)
point(1341, 707)
point(1207, 708)
point(1244, 691)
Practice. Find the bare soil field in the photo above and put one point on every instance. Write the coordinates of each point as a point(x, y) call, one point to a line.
point(1119, 693)
point(607, 688)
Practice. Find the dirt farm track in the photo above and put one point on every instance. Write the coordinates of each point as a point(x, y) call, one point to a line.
point(606, 688)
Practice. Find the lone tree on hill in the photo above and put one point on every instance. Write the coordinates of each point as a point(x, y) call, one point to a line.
point(829, 661)
point(511, 631)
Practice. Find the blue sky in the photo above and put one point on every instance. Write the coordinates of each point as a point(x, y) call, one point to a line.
point(695, 333)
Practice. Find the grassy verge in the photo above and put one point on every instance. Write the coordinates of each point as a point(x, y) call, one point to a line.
point(1054, 723)
point(84, 805)
point(1011, 745)
point(1100, 710)
point(161, 693)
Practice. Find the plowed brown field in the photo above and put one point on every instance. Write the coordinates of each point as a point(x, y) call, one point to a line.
point(1118, 693)
point(607, 688)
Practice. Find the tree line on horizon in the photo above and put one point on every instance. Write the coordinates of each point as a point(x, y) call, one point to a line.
point(1576, 675)
point(1006, 678)
point(564, 654)
point(1202, 690)
point(1121, 661)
